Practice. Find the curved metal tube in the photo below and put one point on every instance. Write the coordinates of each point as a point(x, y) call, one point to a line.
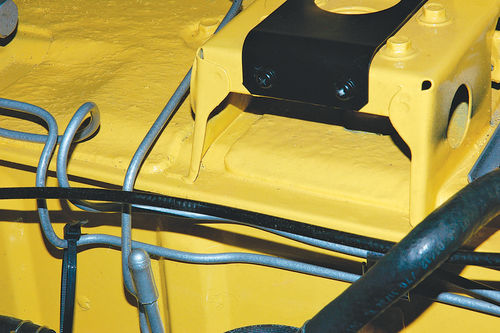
point(43, 164)
point(70, 136)
point(80, 134)
point(145, 146)
point(50, 141)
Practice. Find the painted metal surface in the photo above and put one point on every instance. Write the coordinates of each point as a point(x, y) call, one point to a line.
point(489, 159)
point(128, 57)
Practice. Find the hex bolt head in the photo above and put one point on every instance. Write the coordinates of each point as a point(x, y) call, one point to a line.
point(345, 90)
point(265, 78)
point(8, 18)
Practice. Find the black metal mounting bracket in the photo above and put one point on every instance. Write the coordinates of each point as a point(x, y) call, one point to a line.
point(301, 52)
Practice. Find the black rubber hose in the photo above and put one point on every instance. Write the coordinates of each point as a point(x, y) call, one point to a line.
point(265, 329)
point(9, 324)
point(156, 200)
point(414, 258)
point(249, 218)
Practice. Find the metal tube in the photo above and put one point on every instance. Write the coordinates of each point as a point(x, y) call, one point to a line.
point(43, 163)
point(154, 317)
point(147, 143)
point(469, 303)
point(143, 320)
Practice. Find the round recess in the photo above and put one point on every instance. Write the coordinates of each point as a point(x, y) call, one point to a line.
point(459, 118)
point(355, 7)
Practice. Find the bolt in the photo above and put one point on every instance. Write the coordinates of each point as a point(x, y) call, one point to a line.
point(265, 78)
point(345, 90)
point(8, 17)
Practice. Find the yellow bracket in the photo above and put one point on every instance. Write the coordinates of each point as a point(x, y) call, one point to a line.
point(432, 79)
point(204, 101)
point(217, 71)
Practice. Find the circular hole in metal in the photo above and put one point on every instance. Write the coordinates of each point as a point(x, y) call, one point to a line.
point(459, 118)
point(426, 85)
point(355, 7)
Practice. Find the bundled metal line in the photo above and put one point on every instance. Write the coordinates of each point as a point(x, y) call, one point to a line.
point(292, 229)
point(171, 205)
point(150, 200)
point(190, 209)
point(188, 257)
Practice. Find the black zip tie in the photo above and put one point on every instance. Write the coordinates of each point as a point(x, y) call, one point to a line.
point(72, 233)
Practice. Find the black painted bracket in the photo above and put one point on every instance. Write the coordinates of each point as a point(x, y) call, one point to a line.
point(303, 53)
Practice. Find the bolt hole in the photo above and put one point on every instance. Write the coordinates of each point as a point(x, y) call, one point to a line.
point(200, 54)
point(426, 85)
point(459, 118)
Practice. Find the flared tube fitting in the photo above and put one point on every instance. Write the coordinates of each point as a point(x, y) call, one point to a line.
point(140, 267)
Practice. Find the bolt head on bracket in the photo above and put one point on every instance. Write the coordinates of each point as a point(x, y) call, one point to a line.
point(8, 17)
point(264, 77)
